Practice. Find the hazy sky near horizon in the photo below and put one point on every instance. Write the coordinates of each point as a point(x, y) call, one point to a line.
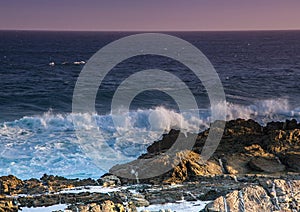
point(149, 15)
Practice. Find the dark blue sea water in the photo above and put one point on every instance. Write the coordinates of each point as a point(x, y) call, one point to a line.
point(260, 72)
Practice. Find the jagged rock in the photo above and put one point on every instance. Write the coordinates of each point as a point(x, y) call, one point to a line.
point(246, 147)
point(10, 184)
point(164, 144)
point(284, 193)
point(242, 127)
point(189, 165)
point(252, 198)
point(263, 164)
point(277, 195)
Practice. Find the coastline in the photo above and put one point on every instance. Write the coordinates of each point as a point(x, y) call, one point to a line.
point(255, 165)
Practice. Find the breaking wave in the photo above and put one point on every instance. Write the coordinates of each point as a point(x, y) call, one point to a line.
point(48, 143)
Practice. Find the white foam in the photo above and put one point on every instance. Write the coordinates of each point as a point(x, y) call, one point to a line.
point(34, 145)
point(46, 209)
point(193, 206)
point(91, 189)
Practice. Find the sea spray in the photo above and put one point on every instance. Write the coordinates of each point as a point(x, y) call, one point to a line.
point(34, 145)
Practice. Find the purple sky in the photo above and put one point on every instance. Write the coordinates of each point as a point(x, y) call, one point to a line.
point(150, 14)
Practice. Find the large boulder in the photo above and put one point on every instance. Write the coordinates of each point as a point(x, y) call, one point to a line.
point(268, 165)
point(183, 165)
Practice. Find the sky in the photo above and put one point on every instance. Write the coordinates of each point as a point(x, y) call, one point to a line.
point(149, 15)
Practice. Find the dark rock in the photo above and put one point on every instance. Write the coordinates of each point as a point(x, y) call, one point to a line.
point(290, 125)
point(272, 126)
point(292, 160)
point(165, 144)
point(269, 165)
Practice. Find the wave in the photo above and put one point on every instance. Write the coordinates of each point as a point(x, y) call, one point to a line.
point(81, 62)
point(34, 145)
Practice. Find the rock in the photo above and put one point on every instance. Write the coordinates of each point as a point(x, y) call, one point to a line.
point(292, 160)
point(241, 127)
point(108, 206)
point(184, 165)
point(277, 195)
point(140, 202)
point(256, 198)
point(164, 144)
point(189, 166)
point(284, 193)
point(269, 165)
point(252, 198)
point(8, 206)
point(272, 126)
point(291, 125)
point(109, 180)
point(10, 185)
point(92, 207)
point(282, 141)
point(57, 183)
point(131, 207)
point(245, 148)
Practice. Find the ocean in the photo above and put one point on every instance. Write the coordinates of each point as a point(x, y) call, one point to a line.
point(259, 70)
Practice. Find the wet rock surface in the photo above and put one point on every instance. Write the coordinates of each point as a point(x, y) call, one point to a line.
point(245, 148)
point(253, 167)
point(268, 192)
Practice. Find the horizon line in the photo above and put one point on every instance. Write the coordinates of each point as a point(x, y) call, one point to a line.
point(146, 30)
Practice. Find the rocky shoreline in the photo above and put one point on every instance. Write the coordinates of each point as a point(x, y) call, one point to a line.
point(253, 167)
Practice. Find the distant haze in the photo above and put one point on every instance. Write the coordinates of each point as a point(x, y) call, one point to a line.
point(149, 15)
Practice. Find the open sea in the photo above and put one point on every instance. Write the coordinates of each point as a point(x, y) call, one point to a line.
point(260, 72)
